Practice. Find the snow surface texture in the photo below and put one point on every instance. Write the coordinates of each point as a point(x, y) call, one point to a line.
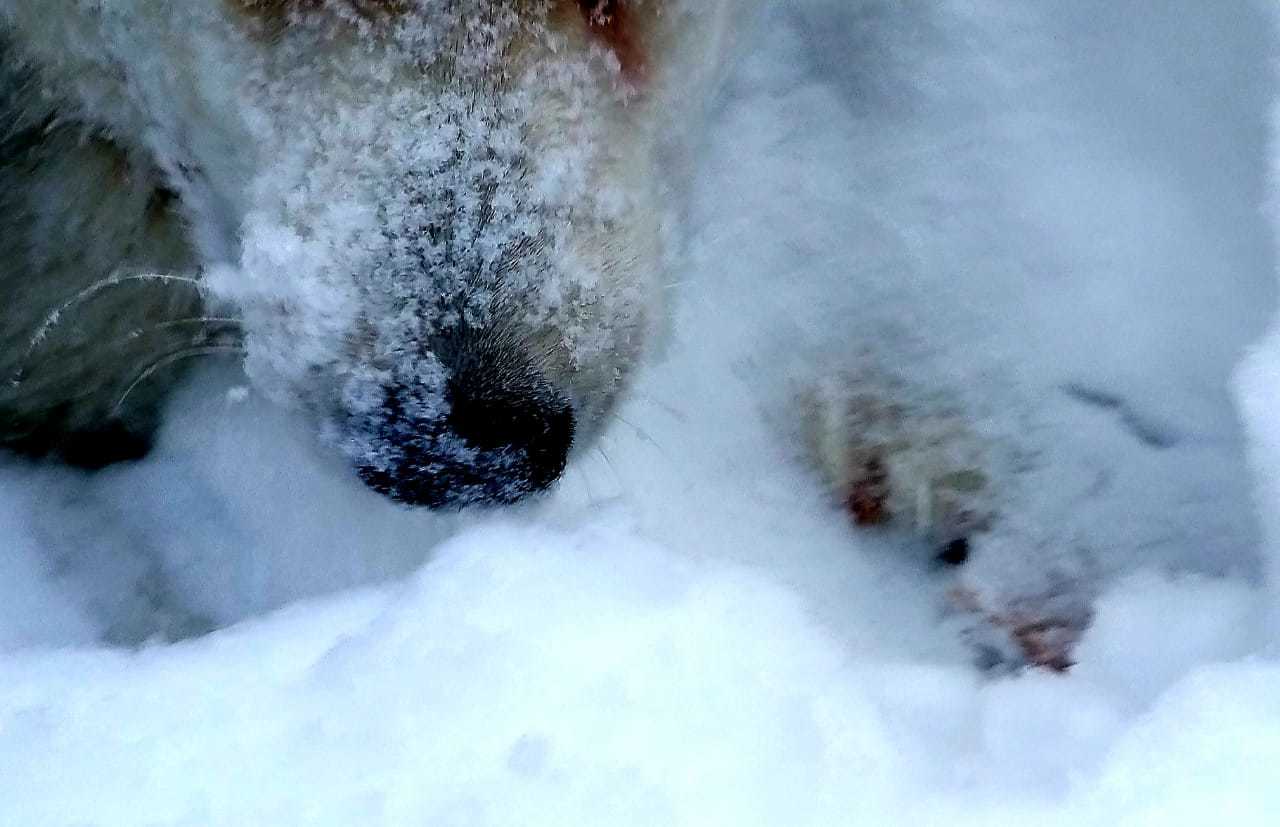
point(1052, 212)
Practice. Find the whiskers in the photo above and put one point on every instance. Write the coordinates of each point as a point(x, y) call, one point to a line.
point(210, 326)
point(97, 288)
point(171, 358)
point(156, 344)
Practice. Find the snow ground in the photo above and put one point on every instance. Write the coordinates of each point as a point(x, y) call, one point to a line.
point(1014, 204)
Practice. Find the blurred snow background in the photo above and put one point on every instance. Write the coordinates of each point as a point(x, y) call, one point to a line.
point(1053, 211)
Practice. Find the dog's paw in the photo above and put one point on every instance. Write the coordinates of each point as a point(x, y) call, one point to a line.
point(1037, 631)
point(898, 455)
point(893, 456)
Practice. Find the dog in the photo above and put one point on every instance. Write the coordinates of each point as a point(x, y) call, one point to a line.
point(436, 227)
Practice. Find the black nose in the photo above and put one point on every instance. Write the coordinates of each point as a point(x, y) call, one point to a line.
point(497, 437)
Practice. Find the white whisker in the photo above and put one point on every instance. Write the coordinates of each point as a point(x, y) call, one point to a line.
point(53, 318)
point(208, 321)
point(165, 361)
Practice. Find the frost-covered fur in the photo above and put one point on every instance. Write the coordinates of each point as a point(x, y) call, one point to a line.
point(373, 196)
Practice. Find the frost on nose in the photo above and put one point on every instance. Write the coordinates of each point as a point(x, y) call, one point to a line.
point(493, 433)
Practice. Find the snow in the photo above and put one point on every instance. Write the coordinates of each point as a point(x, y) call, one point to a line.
point(1049, 212)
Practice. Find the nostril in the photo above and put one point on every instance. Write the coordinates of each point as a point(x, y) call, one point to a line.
point(537, 424)
point(496, 422)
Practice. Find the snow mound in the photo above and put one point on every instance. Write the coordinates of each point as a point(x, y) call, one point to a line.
point(531, 676)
